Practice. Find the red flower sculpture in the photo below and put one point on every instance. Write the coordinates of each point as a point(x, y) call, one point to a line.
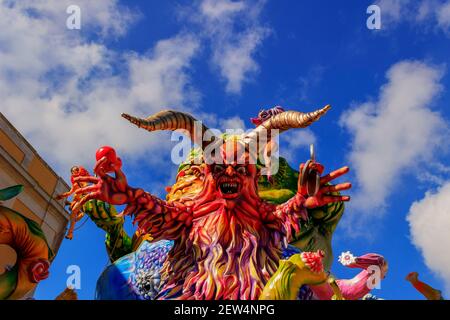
point(313, 260)
point(38, 270)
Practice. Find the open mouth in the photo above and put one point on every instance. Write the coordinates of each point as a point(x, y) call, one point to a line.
point(229, 188)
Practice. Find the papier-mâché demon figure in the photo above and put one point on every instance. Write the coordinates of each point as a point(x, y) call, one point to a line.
point(227, 241)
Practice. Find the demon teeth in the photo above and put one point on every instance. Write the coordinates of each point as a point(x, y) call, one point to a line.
point(230, 185)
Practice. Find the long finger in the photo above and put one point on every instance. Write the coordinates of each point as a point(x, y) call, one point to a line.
point(313, 166)
point(87, 190)
point(87, 179)
point(85, 199)
point(331, 199)
point(98, 167)
point(334, 174)
point(318, 167)
point(335, 188)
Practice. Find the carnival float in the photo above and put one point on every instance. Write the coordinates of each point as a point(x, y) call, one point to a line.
point(223, 231)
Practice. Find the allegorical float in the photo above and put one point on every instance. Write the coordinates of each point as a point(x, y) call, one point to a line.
point(224, 231)
point(230, 227)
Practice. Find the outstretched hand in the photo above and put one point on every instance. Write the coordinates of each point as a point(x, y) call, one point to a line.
point(103, 187)
point(323, 195)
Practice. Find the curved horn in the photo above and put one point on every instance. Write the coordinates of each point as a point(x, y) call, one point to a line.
point(172, 120)
point(289, 120)
point(285, 121)
point(294, 119)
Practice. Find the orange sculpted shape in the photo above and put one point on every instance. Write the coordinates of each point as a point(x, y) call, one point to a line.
point(428, 292)
point(33, 254)
point(76, 171)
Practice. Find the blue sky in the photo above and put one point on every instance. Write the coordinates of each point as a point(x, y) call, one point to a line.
point(225, 60)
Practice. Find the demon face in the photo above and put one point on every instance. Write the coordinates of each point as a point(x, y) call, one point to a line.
point(233, 173)
point(232, 178)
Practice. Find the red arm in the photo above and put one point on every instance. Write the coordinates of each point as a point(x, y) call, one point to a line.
point(290, 214)
point(153, 216)
point(295, 208)
point(158, 218)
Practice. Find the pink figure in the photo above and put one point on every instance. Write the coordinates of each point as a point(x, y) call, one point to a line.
point(357, 287)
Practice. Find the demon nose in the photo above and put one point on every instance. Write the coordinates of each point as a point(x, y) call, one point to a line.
point(229, 171)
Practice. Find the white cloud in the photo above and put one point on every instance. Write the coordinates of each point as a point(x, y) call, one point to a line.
point(429, 220)
point(299, 138)
point(392, 10)
point(65, 89)
point(235, 59)
point(235, 32)
point(294, 140)
point(396, 133)
point(424, 11)
point(159, 78)
point(104, 18)
point(443, 16)
point(233, 123)
point(434, 12)
point(214, 9)
point(66, 93)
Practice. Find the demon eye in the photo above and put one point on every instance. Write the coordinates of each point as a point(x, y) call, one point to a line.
point(218, 168)
point(241, 170)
